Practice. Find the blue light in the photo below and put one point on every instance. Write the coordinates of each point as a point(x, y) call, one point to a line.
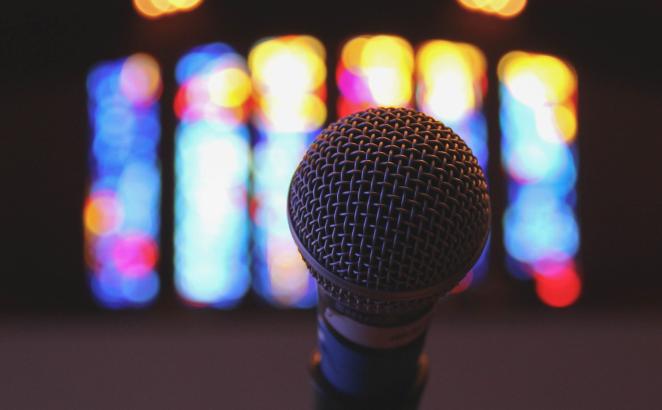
point(473, 129)
point(285, 128)
point(141, 290)
point(212, 162)
point(282, 277)
point(199, 60)
point(121, 215)
point(451, 78)
point(540, 226)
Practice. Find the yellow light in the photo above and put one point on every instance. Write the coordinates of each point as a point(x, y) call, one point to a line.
point(308, 43)
point(294, 113)
point(229, 87)
point(556, 123)
point(287, 67)
point(566, 122)
point(547, 85)
point(494, 6)
point(185, 5)
point(512, 8)
point(140, 79)
point(288, 76)
point(352, 51)
point(387, 51)
point(164, 6)
point(537, 79)
point(499, 8)
point(475, 60)
point(449, 76)
point(386, 65)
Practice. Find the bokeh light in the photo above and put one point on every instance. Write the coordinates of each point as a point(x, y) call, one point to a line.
point(152, 9)
point(539, 127)
point(501, 8)
point(121, 211)
point(140, 79)
point(561, 288)
point(375, 71)
point(212, 162)
point(451, 82)
point(289, 75)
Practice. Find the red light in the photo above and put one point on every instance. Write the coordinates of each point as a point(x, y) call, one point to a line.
point(181, 102)
point(560, 289)
point(464, 283)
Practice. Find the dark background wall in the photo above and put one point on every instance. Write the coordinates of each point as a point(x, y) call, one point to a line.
point(46, 49)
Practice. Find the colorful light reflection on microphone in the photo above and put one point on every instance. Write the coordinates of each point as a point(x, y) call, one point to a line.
point(451, 83)
point(212, 161)
point(375, 71)
point(539, 124)
point(121, 212)
point(289, 75)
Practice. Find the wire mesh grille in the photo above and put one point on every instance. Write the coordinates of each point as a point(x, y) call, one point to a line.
point(390, 200)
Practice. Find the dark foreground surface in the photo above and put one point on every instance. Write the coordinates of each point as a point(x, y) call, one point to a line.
point(257, 360)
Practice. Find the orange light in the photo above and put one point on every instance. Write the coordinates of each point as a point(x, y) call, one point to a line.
point(152, 9)
point(102, 213)
point(146, 9)
point(500, 8)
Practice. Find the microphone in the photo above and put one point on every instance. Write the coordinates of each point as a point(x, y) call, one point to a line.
point(389, 209)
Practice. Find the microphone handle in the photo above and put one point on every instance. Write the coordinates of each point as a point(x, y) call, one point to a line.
point(326, 397)
point(363, 367)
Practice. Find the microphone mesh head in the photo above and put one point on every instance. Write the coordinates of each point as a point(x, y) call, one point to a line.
point(390, 209)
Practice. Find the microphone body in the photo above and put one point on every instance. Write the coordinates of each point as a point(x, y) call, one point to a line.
point(360, 366)
point(389, 210)
point(362, 359)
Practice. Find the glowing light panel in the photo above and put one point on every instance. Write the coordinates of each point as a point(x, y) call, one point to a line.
point(212, 162)
point(375, 71)
point(450, 84)
point(505, 9)
point(121, 211)
point(289, 75)
point(539, 124)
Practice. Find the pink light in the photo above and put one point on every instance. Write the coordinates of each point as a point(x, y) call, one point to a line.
point(351, 85)
point(134, 255)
